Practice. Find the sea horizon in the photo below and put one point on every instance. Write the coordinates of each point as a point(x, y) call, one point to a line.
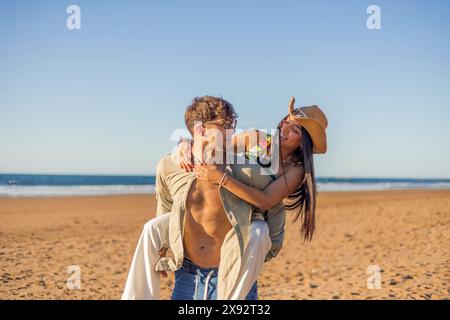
point(49, 185)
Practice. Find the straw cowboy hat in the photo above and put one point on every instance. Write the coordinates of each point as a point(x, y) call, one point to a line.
point(314, 121)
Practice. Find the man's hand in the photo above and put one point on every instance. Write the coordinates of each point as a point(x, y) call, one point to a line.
point(162, 253)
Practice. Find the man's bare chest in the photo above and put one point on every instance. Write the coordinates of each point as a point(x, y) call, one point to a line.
point(205, 201)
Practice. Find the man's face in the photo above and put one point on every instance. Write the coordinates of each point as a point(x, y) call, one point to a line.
point(215, 135)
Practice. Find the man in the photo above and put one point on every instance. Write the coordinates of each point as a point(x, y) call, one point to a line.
point(219, 242)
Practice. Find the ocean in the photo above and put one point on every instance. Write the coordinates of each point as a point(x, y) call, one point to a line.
point(37, 185)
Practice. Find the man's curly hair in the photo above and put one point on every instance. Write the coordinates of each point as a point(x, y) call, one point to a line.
point(208, 108)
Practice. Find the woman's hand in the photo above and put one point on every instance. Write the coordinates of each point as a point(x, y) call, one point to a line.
point(209, 172)
point(184, 155)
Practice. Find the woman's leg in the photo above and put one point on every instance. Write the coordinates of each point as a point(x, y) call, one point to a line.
point(143, 282)
point(255, 253)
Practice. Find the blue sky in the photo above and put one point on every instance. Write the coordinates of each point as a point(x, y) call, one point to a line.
point(105, 99)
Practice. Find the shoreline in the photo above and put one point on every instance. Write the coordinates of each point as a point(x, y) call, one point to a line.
point(153, 194)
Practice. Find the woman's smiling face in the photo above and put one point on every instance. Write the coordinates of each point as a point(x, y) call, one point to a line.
point(290, 134)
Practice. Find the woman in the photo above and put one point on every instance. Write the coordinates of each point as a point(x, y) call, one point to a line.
point(301, 133)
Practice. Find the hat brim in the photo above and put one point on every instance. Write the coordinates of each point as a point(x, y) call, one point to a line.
point(317, 133)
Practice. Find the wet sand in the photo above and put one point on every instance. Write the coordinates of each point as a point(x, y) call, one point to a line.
point(406, 234)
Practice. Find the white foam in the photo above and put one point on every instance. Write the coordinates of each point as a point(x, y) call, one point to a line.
point(55, 191)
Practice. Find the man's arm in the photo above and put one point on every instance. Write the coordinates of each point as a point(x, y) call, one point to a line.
point(163, 194)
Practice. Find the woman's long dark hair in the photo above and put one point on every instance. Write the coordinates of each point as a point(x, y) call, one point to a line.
point(302, 202)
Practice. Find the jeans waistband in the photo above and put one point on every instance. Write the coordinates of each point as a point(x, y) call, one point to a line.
point(191, 267)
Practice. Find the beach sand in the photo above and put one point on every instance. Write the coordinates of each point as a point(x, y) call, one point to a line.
point(405, 233)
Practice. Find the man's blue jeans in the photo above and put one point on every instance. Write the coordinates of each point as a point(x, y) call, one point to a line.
point(195, 283)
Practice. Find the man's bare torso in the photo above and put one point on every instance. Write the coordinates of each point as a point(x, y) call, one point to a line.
point(206, 225)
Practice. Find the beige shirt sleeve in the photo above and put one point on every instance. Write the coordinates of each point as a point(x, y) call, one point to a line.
point(163, 194)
